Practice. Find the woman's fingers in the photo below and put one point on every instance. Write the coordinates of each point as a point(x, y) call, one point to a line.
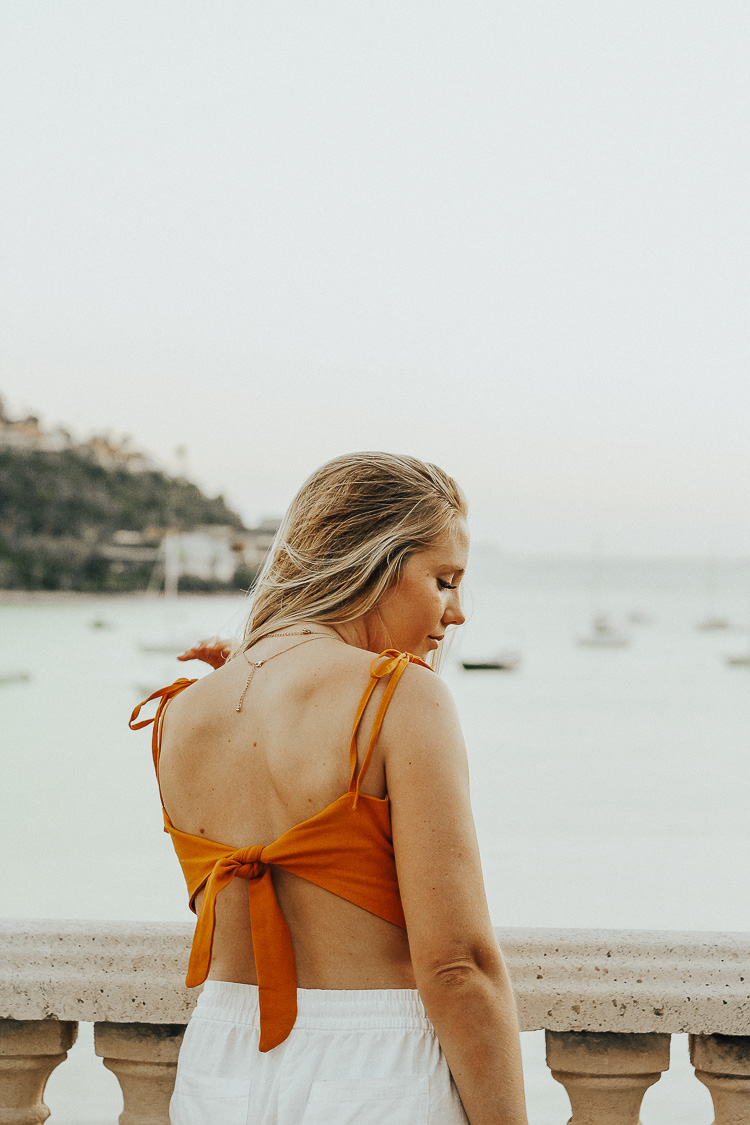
point(213, 651)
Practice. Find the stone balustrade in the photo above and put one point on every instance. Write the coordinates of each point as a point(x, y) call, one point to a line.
point(608, 1000)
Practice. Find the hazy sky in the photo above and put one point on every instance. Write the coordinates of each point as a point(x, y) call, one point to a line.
point(511, 237)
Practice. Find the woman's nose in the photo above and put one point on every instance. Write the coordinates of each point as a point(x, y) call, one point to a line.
point(453, 614)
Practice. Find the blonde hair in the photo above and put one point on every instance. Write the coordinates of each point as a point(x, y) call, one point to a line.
point(345, 538)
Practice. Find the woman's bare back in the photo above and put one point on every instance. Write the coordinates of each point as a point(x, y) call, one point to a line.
point(246, 778)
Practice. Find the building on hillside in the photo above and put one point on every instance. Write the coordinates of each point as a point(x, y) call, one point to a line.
point(214, 552)
point(27, 433)
point(111, 454)
point(206, 552)
point(254, 543)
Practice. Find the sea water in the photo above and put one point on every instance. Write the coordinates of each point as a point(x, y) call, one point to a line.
point(609, 785)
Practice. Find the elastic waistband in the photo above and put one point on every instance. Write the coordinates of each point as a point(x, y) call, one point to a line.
point(319, 1008)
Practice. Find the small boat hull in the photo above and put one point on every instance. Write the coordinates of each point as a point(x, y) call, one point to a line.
point(506, 663)
point(604, 635)
point(711, 624)
point(12, 677)
point(616, 640)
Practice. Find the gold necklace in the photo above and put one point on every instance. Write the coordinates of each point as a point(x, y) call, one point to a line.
point(255, 664)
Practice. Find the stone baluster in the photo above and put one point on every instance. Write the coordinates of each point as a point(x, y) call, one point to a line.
point(29, 1052)
point(722, 1062)
point(606, 1074)
point(143, 1057)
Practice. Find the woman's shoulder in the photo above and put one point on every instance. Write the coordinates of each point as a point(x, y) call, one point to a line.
point(421, 707)
point(421, 684)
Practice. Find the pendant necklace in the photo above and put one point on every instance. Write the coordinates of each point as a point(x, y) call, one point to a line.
point(255, 664)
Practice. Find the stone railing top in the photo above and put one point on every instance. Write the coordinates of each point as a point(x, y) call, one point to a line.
point(564, 980)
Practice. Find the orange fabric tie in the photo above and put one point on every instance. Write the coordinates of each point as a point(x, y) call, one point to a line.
point(272, 943)
point(163, 695)
point(395, 666)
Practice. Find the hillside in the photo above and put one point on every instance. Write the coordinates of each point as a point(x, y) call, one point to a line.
point(65, 514)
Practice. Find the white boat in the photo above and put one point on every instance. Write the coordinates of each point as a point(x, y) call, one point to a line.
point(712, 622)
point(604, 634)
point(168, 645)
point(14, 676)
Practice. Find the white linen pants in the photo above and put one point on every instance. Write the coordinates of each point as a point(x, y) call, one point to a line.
point(369, 1057)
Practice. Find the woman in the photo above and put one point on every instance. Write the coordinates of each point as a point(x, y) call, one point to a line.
point(352, 974)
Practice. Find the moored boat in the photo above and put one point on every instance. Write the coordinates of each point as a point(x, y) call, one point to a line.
point(503, 662)
point(14, 676)
point(604, 634)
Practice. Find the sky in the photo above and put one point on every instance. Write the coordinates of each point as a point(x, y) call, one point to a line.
point(510, 238)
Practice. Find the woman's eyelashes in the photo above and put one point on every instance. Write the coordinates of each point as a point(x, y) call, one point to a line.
point(446, 585)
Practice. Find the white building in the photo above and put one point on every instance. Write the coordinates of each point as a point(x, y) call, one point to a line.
point(207, 552)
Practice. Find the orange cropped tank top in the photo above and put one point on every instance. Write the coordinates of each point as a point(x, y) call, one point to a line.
point(347, 848)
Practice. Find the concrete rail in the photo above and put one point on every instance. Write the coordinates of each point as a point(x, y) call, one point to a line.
point(564, 980)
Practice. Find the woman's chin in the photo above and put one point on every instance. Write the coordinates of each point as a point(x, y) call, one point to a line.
point(422, 649)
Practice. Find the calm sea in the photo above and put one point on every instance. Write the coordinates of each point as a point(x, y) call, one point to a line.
point(610, 785)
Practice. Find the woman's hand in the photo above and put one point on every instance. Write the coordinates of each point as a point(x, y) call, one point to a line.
point(213, 651)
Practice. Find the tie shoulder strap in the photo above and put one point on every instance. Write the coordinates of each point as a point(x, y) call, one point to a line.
point(163, 695)
point(391, 663)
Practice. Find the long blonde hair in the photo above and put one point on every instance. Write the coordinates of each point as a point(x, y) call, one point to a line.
point(345, 538)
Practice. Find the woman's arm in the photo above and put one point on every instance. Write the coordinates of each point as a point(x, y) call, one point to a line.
point(458, 966)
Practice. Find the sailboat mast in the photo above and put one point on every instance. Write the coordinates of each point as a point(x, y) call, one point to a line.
point(172, 550)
